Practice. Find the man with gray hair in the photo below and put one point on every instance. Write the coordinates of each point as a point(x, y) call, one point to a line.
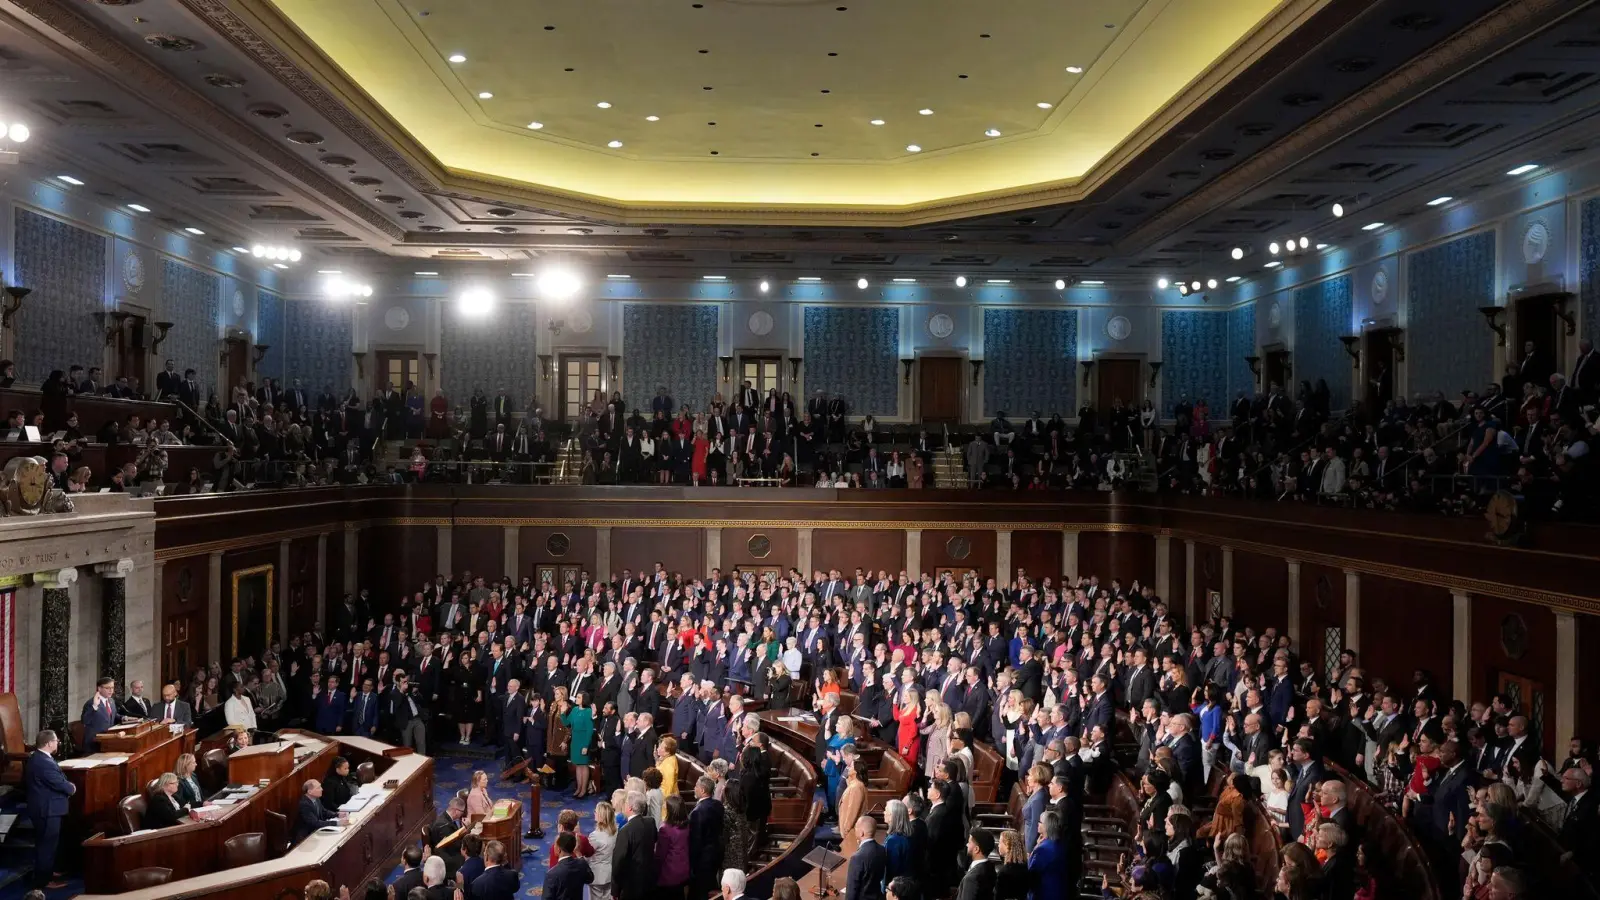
point(633, 855)
point(433, 877)
point(733, 882)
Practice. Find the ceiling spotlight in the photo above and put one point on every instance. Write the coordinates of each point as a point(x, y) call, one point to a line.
point(1440, 201)
point(1523, 169)
point(535, 126)
point(924, 112)
point(614, 144)
point(1305, 242)
point(1183, 289)
point(603, 105)
point(1238, 253)
point(1211, 284)
point(193, 230)
point(1061, 284)
point(476, 302)
point(1233, 279)
point(1323, 246)
point(294, 255)
point(458, 58)
point(339, 289)
point(1043, 105)
point(1162, 284)
point(485, 95)
point(764, 286)
point(913, 148)
point(558, 283)
point(18, 132)
point(993, 132)
point(1338, 210)
point(1271, 248)
point(240, 250)
point(877, 122)
point(258, 251)
point(70, 180)
point(1372, 226)
point(861, 283)
point(1272, 265)
point(961, 281)
point(652, 118)
point(138, 208)
point(1074, 70)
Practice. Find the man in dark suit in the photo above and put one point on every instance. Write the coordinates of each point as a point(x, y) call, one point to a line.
point(47, 791)
point(447, 824)
point(171, 710)
point(869, 864)
point(705, 838)
point(633, 855)
point(1451, 794)
point(498, 882)
point(411, 871)
point(568, 877)
point(136, 705)
point(99, 712)
point(311, 814)
point(511, 721)
point(978, 883)
point(944, 840)
point(331, 709)
point(1308, 774)
point(641, 753)
point(1580, 830)
point(364, 711)
point(1099, 710)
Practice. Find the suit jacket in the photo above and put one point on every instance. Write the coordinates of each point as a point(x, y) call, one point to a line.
point(309, 817)
point(1580, 830)
point(364, 714)
point(1309, 776)
point(162, 811)
point(566, 879)
point(408, 879)
point(1451, 794)
point(633, 859)
point(978, 883)
point(331, 708)
point(496, 883)
point(47, 788)
point(181, 714)
point(97, 716)
point(944, 847)
point(136, 707)
point(868, 867)
point(705, 838)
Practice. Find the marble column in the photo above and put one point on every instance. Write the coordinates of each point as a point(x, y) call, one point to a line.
point(513, 552)
point(219, 605)
point(352, 559)
point(1461, 645)
point(1188, 585)
point(913, 554)
point(1294, 604)
point(602, 553)
point(441, 551)
point(1566, 676)
point(322, 582)
point(1069, 555)
point(1227, 581)
point(282, 584)
point(114, 618)
point(55, 629)
point(803, 551)
point(713, 549)
point(1352, 611)
point(1004, 572)
point(1164, 567)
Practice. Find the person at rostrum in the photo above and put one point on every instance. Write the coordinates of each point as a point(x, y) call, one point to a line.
point(48, 791)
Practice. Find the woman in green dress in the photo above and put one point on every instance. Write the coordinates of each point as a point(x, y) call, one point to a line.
point(580, 718)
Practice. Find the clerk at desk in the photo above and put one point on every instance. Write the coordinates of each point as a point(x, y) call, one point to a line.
point(313, 814)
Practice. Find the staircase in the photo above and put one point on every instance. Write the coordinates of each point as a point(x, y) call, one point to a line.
point(569, 464)
point(948, 471)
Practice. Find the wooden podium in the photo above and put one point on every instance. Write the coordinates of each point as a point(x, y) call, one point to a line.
point(261, 762)
point(503, 824)
point(133, 738)
point(104, 778)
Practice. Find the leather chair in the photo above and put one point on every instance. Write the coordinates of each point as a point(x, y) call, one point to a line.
point(130, 812)
point(74, 737)
point(214, 770)
point(244, 849)
point(277, 834)
point(14, 748)
point(149, 876)
point(366, 772)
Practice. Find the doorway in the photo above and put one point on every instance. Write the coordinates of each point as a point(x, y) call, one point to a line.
point(939, 390)
point(398, 368)
point(1277, 371)
point(238, 351)
point(765, 373)
point(130, 352)
point(1378, 352)
point(1118, 380)
point(580, 379)
point(253, 622)
point(1537, 322)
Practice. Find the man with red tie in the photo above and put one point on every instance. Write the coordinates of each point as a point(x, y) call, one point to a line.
point(100, 711)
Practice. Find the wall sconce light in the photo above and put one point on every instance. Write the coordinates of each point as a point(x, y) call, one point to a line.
point(555, 326)
point(1088, 366)
point(1155, 370)
point(1565, 315)
point(13, 302)
point(158, 334)
point(794, 367)
point(111, 323)
point(907, 363)
point(1352, 346)
point(727, 366)
point(430, 357)
point(1399, 346)
point(545, 360)
point(1288, 366)
point(1492, 315)
point(615, 361)
point(977, 367)
point(222, 356)
point(261, 353)
point(361, 369)
point(1254, 362)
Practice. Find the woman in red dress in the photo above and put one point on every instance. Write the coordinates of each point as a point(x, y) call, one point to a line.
point(908, 740)
point(697, 465)
point(438, 417)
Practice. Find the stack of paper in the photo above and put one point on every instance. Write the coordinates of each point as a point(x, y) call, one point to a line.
point(355, 803)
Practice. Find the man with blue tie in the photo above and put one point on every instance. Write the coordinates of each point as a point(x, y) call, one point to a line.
point(99, 711)
point(331, 707)
point(48, 791)
point(364, 711)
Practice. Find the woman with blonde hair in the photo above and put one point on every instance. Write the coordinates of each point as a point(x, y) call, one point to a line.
point(667, 764)
point(478, 802)
point(190, 794)
point(1011, 878)
point(938, 738)
point(603, 838)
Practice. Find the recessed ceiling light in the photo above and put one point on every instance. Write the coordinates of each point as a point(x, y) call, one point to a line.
point(961, 281)
point(1233, 279)
point(1061, 285)
point(1089, 283)
point(1043, 105)
point(862, 283)
point(1440, 201)
point(331, 272)
point(1238, 253)
point(485, 95)
point(905, 281)
point(924, 112)
point(1074, 70)
point(877, 121)
point(1194, 285)
point(809, 278)
point(426, 274)
point(913, 148)
point(1323, 246)
point(1211, 284)
point(1273, 248)
point(715, 277)
point(1304, 242)
point(998, 281)
point(619, 277)
point(137, 208)
point(535, 126)
point(1338, 210)
point(70, 180)
point(240, 250)
point(458, 58)
point(1372, 226)
point(652, 118)
point(279, 266)
point(1272, 265)
point(764, 286)
point(993, 132)
point(1162, 284)
point(193, 230)
point(603, 105)
point(614, 144)
point(1523, 169)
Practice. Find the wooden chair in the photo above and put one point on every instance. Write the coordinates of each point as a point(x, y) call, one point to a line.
point(277, 834)
point(214, 770)
point(149, 876)
point(244, 849)
point(130, 813)
point(14, 749)
point(366, 772)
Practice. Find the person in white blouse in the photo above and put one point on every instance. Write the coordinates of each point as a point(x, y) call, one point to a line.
point(240, 710)
point(602, 839)
point(791, 655)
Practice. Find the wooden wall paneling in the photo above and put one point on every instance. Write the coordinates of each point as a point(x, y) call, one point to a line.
point(1177, 574)
point(679, 549)
point(184, 610)
point(939, 551)
point(480, 548)
point(782, 549)
point(1588, 700)
point(395, 559)
point(1321, 608)
point(239, 560)
point(1038, 553)
point(1094, 556)
point(847, 549)
point(1133, 557)
point(1207, 576)
point(1260, 590)
point(302, 584)
point(1406, 626)
point(1517, 639)
point(334, 571)
point(534, 549)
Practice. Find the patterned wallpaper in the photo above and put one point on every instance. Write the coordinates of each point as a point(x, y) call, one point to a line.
point(1321, 316)
point(494, 352)
point(190, 303)
point(1447, 285)
point(316, 342)
point(672, 346)
point(66, 267)
point(269, 331)
point(1241, 343)
point(1194, 349)
point(1589, 261)
point(1030, 361)
point(854, 352)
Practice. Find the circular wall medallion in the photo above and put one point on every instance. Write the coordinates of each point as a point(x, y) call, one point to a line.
point(238, 303)
point(958, 547)
point(761, 323)
point(1535, 243)
point(1380, 287)
point(1118, 328)
point(133, 272)
point(760, 546)
point(557, 544)
point(1274, 316)
point(941, 326)
point(397, 318)
point(581, 320)
point(1514, 636)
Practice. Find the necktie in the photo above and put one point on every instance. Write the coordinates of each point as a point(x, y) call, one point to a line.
point(169, 714)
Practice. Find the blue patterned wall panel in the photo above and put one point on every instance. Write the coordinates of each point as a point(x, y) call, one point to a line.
point(854, 352)
point(316, 345)
point(1589, 261)
point(269, 331)
point(191, 304)
point(66, 267)
point(1241, 343)
point(672, 346)
point(1194, 365)
point(1321, 316)
point(494, 352)
point(1447, 285)
point(1030, 360)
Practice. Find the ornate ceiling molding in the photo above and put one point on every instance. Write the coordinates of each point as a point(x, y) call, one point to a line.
point(155, 86)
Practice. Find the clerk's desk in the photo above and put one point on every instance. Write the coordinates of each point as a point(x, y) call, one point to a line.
point(129, 758)
point(365, 849)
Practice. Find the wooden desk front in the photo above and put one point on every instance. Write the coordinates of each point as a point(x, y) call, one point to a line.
point(366, 849)
point(504, 827)
point(889, 776)
point(93, 808)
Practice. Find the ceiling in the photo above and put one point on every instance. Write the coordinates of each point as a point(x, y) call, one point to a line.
point(207, 114)
point(774, 104)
